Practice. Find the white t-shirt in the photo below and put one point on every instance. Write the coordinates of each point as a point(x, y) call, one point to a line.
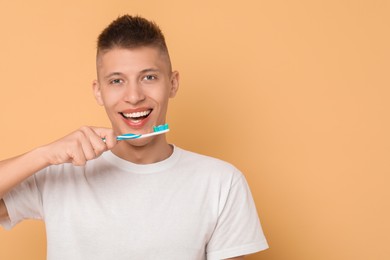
point(187, 207)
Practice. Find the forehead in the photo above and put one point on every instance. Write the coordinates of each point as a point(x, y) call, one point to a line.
point(131, 60)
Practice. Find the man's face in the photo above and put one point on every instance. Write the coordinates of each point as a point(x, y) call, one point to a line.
point(134, 86)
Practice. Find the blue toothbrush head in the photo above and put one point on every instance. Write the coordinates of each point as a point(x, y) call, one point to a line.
point(160, 128)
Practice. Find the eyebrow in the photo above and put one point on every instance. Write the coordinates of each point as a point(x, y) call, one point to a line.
point(113, 74)
point(150, 70)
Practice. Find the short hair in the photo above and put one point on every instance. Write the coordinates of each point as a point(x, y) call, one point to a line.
point(131, 32)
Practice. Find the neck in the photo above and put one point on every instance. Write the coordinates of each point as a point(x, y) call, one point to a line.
point(144, 151)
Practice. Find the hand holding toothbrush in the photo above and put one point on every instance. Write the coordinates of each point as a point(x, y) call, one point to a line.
point(80, 146)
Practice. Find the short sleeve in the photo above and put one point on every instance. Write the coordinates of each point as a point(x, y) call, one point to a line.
point(23, 202)
point(238, 231)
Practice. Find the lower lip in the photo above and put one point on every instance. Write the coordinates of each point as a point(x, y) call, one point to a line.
point(136, 125)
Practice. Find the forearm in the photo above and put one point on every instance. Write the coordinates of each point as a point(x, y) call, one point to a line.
point(14, 170)
point(78, 147)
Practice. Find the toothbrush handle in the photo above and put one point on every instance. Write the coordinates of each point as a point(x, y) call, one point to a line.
point(135, 136)
point(152, 134)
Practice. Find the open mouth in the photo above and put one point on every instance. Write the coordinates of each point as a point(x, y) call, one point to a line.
point(136, 117)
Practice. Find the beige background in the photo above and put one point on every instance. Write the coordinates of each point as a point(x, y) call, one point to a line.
point(294, 93)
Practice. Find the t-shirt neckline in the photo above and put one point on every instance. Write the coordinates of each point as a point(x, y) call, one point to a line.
point(143, 168)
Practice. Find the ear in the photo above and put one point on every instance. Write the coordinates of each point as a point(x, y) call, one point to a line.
point(174, 84)
point(97, 92)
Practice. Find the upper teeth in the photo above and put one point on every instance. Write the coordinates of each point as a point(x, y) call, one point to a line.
point(137, 114)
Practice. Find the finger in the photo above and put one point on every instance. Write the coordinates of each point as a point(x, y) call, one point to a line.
point(87, 148)
point(102, 139)
point(108, 135)
point(92, 144)
point(76, 154)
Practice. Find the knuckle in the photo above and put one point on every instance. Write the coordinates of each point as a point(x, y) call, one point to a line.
point(79, 134)
point(78, 161)
point(98, 151)
point(90, 157)
point(84, 128)
point(84, 131)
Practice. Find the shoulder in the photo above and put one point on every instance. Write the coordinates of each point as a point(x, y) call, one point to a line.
point(207, 164)
point(201, 159)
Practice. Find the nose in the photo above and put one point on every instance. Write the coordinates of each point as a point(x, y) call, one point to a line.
point(134, 93)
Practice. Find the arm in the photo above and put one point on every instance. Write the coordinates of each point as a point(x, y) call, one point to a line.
point(77, 148)
point(15, 170)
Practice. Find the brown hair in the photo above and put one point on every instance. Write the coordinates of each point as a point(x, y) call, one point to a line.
point(131, 32)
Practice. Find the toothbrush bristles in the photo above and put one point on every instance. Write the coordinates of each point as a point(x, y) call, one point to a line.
point(160, 128)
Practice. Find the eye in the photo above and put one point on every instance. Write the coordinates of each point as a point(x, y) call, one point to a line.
point(116, 82)
point(150, 77)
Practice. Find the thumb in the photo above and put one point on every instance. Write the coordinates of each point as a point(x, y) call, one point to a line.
point(107, 135)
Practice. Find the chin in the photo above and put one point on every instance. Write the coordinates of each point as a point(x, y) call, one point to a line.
point(138, 143)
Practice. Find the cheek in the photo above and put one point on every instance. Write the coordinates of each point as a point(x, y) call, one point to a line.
point(157, 93)
point(110, 97)
point(162, 99)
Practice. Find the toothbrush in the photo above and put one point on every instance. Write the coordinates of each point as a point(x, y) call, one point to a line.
point(157, 130)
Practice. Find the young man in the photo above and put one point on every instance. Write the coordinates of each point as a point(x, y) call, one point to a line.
point(136, 199)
